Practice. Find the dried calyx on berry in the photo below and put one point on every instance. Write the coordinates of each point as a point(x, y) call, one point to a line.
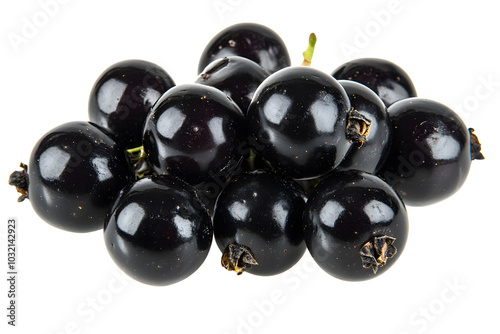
point(237, 258)
point(358, 127)
point(375, 252)
point(475, 146)
point(20, 180)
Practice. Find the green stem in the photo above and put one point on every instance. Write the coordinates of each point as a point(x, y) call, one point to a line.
point(136, 154)
point(251, 159)
point(308, 54)
point(135, 149)
point(137, 157)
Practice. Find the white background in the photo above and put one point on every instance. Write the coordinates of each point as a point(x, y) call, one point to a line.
point(446, 280)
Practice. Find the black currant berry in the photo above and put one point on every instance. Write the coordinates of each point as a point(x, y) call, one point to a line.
point(385, 78)
point(237, 77)
point(158, 232)
point(194, 132)
point(258, 224)
point(253, 41)
point(355, 225)
point(123, 96)
point(431, 152)
point(75, 172)
point(369, 118)
point(297, 121)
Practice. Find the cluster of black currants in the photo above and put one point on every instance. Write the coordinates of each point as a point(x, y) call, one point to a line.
point(269, 158)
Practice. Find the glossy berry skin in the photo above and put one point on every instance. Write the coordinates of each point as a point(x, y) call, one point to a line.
point(297, 121)
point(343, 213)
point(262, 211)
point(370, 156)
point(430, 156)
point(385, 78)
point(158, 232)
point(235, 76)
point(194, 132)
point(123, 95)
point(253, 41)
point(75, 172)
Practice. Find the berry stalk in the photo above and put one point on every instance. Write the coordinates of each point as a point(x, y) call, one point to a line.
point(308, 54)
